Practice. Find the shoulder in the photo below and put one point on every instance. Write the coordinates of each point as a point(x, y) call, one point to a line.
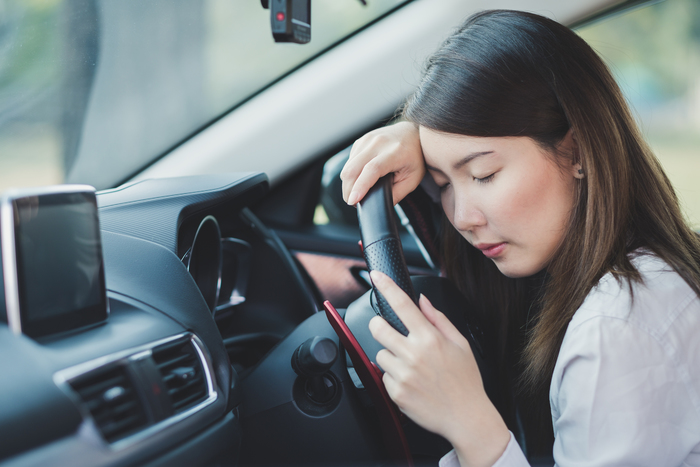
point(654, 303)
point(632, 326)
point(630, 360)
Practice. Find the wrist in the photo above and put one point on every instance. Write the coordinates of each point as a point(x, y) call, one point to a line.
point(483, 442)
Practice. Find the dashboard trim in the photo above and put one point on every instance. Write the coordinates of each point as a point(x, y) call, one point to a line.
point(9, 265)
point(63, 377)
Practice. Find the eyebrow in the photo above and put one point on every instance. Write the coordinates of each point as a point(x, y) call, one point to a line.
point(462, 162)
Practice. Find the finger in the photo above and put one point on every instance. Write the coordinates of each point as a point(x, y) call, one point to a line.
point(386, 335)
point(367, 159)
point(401, 303)
point(369, 164)
point(387, 361)
point(395, 391)
point(390, 385)
point(441, 322)
point(352, 169)
point(371, 172)
point(429, 311)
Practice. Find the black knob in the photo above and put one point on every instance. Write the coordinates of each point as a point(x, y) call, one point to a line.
point(321, 389)
point(314, 357)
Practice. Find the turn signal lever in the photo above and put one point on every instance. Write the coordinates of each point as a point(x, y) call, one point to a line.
point(312, 360)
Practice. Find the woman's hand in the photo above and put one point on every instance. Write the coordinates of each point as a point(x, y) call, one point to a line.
point(395, 148)
point(432, 376)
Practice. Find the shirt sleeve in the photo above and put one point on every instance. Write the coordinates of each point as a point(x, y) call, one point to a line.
point(620, 396)
point(512, 457)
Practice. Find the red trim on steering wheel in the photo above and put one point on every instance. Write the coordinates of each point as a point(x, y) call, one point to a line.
point(371, 377)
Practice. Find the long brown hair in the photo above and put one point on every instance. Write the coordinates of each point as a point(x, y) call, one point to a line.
point(510, 73)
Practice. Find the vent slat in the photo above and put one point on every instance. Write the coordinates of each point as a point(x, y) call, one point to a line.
point(100, 387)
point(118, 429)
point(97, 402)
point(116, 416)
point(195, 383)
point(186, 402)
point(174, 359)
point(116, 411)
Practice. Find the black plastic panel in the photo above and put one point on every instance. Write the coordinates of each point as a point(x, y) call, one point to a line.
point(151, 274)
point(152, 296)
point(276, 428)
point(33, 410)
point(153, 210)
point(217, 445)
point(28, 395)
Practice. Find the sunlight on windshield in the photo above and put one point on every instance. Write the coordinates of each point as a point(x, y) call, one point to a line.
point(91, 92)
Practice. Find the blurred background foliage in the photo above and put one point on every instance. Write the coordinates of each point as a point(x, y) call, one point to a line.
point(654, 53)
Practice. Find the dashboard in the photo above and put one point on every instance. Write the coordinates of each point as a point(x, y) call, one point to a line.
point(198, 360)
point(153, 383)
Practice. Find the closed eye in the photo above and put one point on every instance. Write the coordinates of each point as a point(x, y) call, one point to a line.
point(485, 179)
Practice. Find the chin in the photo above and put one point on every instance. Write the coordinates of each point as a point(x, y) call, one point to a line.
point(515, 270)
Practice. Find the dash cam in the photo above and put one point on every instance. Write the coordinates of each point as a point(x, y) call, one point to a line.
point(290, 20)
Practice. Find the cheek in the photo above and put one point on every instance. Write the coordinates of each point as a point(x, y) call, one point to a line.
point(535, 206)
point(509, 207)
point(448, 204)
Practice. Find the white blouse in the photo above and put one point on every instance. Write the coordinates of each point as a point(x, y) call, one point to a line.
point(626, 386)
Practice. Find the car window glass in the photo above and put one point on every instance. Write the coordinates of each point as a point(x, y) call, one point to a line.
point(92, 91)
point(331, 208)
point(654, 53)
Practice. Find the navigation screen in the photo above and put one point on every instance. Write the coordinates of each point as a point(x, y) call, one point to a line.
point(59, 262)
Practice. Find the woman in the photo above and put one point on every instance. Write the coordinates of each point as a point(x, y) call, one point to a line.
point(542, 171)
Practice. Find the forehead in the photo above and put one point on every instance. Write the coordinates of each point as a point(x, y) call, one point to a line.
point(432, 140)
point(444, 150)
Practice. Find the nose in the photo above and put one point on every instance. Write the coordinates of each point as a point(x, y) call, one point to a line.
point(467, 215)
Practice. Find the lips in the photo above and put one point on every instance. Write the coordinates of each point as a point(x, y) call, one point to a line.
point(491, 250)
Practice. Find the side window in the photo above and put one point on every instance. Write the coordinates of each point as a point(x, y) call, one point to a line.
point(331, 208)
point(654, 53)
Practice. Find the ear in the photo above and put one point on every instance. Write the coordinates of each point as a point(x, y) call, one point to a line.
point(569, 145)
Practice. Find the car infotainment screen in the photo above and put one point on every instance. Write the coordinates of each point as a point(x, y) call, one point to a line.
point(58, 264)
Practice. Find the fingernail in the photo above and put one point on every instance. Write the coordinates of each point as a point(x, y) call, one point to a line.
point(352, 199)
point(376, 276)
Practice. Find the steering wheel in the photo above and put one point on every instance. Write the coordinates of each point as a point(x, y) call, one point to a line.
point(383, 252)
point(382, 248)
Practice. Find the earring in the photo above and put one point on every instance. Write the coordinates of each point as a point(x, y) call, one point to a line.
point(579, 173)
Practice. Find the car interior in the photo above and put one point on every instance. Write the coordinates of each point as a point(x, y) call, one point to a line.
point(224, 319)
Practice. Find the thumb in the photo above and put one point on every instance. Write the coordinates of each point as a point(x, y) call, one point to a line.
point(441, 323)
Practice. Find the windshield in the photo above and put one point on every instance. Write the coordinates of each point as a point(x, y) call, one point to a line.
point(92, 92)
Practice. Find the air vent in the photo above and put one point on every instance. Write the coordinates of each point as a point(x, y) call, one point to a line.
point(110, 397)
point(181, 368)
